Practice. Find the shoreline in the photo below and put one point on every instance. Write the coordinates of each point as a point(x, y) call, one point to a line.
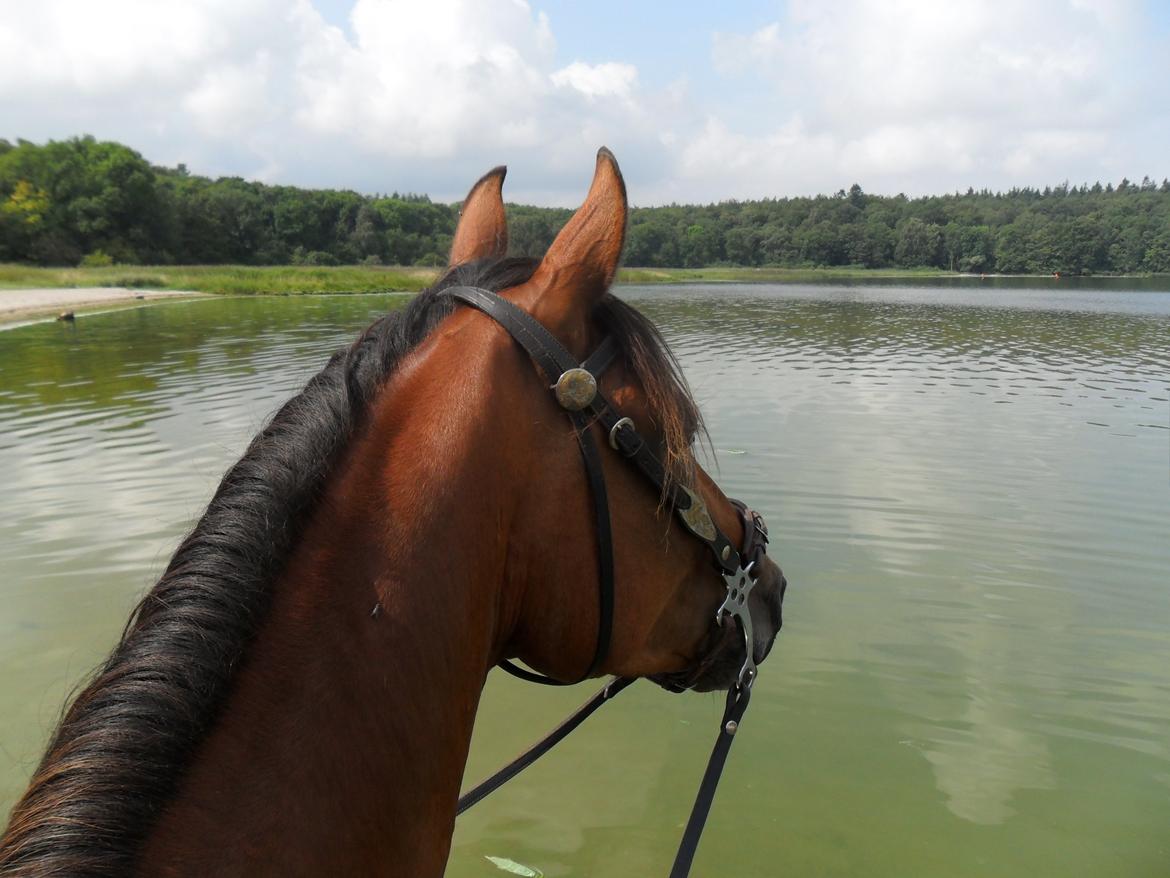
point(133, 280)
point(34, 304)
point(31, 294)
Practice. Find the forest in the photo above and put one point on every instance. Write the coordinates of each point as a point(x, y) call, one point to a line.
point(90, 202)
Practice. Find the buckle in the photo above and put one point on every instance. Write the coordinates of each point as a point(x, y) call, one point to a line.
point(616, 430)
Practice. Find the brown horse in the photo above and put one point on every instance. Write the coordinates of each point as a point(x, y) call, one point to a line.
point(296, 694)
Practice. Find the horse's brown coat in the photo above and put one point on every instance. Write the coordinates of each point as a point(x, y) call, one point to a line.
point(455, 532)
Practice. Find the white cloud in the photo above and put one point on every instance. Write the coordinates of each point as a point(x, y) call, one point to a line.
point(417, 96)
point(920, 96)
point(903, 95)
point(424, 80)
point(72, 49)
point(598, 80)
point(1035, 150)
point(740, 53)
point(231, 97)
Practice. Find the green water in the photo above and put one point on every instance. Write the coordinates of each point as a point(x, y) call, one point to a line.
point(968, 488)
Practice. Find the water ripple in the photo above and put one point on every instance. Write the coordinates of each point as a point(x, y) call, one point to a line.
point(969, 493)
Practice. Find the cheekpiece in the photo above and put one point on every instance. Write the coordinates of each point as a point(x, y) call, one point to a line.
point(696, 517)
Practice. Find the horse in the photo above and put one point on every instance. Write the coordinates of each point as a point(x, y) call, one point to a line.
point(296, 694)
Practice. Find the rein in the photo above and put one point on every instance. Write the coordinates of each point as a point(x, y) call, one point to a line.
point(577, 392)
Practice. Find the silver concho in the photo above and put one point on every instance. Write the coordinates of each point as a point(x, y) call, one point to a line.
point(576, 389)
point(696, 517)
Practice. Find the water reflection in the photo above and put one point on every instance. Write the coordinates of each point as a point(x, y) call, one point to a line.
point(992, 477)
point(969, 494)
point(114, 431)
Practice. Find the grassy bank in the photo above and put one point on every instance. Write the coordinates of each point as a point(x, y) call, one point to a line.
point(230, 279)
point(288, 279)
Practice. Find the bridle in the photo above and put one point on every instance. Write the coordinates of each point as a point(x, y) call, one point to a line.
point(577, 391)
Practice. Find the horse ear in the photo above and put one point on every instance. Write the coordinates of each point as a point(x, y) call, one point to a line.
point(583, 260)
point(482, 232)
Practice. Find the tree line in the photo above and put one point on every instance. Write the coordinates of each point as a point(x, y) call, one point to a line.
point(88, 201)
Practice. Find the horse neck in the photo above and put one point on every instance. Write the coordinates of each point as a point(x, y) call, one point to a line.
point(343, 744)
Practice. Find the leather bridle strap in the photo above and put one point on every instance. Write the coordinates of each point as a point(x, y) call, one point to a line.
point(605, 577)
point(559, 366)
point(737, 702)
point(556, 362)
point(552, 358)
point(521, 762)
point(548, 353)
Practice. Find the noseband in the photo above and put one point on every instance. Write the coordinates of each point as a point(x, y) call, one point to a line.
point(577, 391)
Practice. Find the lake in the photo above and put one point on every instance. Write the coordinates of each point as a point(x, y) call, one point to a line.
point(968, 487)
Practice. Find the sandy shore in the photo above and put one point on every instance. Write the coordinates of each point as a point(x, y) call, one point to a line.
point(19, 305)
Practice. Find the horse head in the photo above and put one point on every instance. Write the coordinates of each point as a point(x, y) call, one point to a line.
point(664, 620)
point(296, 694)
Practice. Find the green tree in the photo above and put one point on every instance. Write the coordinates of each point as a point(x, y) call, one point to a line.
point(700, 245)
point(918, 244)
point(741, 245)
point(62, 200)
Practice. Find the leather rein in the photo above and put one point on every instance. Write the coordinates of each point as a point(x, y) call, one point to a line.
point(577, 391)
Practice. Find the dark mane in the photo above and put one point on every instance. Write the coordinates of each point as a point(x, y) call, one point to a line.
point(125, 742)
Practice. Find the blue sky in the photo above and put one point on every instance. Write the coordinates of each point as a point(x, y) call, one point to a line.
point(700, 101)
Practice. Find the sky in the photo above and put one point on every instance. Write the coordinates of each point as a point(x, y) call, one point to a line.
point(700, 101)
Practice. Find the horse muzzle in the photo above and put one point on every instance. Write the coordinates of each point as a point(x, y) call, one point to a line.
point(723, 653)
point(767, 607)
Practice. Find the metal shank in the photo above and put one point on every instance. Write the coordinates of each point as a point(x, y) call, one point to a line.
point(735, 607)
